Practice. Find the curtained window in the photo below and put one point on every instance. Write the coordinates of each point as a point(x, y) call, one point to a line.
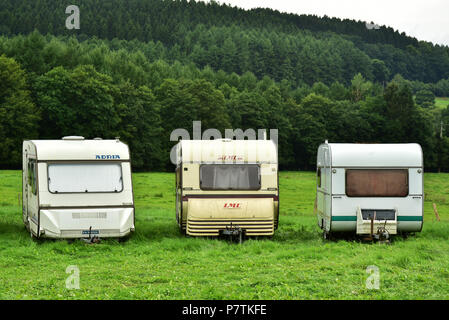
point(377, 183)
point(230, 177)
point(85, 177)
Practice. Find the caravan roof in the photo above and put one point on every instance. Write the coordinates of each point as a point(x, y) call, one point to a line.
point(376, 155)
point(228, 151)
point(79, 149)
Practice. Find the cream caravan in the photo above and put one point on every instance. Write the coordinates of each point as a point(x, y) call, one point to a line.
point(365, 188)
point(76, 188)
point(227, 185)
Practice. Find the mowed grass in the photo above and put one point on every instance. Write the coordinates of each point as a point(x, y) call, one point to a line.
point(157, 262)
point(442, 103)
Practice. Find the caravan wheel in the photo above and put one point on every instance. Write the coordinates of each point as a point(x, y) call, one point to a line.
point(405, 235)
point(123, 239)
point(182, 231)
point(326, 235)
point(27, 226)
point(33, 237)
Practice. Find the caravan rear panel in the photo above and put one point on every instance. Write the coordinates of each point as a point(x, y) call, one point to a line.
point(357, 179)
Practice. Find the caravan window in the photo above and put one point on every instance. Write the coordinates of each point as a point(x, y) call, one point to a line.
point(318, 177)
point(178, 177)
point(377, 183)
point(84, 177)
point(230, 177)
point(32, 176)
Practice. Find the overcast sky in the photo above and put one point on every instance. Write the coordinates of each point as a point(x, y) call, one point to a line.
point(423, 19)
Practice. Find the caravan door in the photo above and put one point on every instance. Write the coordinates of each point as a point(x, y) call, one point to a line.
point(25, 190)
point(31, 195)
point(323, 188)
point(326, 183)
point(178, 191)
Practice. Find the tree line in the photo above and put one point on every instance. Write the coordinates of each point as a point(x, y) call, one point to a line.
point(54, 86)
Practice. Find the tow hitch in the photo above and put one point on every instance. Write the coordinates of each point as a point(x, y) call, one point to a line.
point(91, 239)
point(382, 235)
point(377, 225)
point(233, 233)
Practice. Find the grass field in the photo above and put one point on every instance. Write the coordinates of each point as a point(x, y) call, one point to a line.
point(159, 263)
point(442, 102)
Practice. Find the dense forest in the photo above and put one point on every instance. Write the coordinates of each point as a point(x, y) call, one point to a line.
point(301, 49)
point(139, 69)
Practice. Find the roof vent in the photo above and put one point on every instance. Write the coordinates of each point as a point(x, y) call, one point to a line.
point(98, 138)
point(226, 140)
point(73, 138)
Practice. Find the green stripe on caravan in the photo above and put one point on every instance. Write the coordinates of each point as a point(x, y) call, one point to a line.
point(354, 218)
point(409, 218)
point(344, 218)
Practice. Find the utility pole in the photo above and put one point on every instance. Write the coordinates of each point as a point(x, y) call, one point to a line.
point(441, 129)
point(441, 138)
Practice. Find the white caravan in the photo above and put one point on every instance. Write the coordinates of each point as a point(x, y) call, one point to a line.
point(365, 188)
point(76, 188)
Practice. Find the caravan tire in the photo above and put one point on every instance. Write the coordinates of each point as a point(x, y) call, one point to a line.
point(27, 226)
point(405, 235)
point(123, 239)
point(183, 231)
point(326, 235)
point(33, 237)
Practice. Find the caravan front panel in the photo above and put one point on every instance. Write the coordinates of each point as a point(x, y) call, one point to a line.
point(227, 184)
point(83, 188)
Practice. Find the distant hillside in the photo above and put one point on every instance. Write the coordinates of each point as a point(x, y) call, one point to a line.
point(300, 49)
point(297, 48)
point(173, 14)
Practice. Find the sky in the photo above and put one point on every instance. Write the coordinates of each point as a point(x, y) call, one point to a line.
point(425, 20)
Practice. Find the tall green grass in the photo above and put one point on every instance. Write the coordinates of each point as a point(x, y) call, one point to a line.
point(442, 102)
point(157, 262)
